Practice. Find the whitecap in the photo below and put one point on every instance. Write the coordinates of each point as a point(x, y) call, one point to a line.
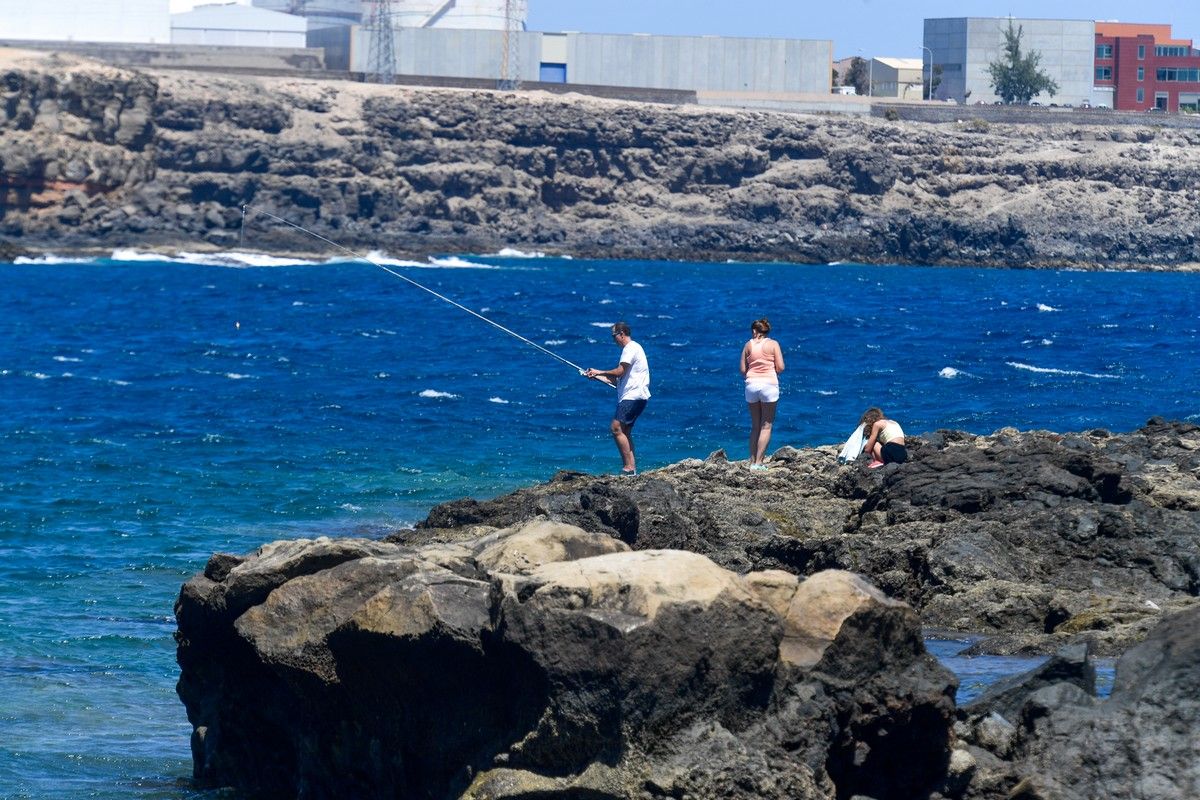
point(1044, 307)
point(1053, 371)
point(512, 252)
point(949, 372)
point(601, 324)
point(381, 259)
point(553, 342)
point(437, 394)
point(382, 375)
point(1047, 342)
point(68, 359)
point(615, 283)
point(237, 376)
point(350, 507)
point(677, 344)
point(826, 392)
point(50, 260)
point(639, 285)
point(68, 375)
point(605, 302)
point(1110, 325)
point(459, 263)
point(500, 400)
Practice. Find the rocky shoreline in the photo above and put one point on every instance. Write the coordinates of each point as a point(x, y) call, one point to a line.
point(707, 631)
point(95, 157)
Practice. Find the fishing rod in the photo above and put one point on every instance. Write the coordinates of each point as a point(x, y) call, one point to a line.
point(409, 280)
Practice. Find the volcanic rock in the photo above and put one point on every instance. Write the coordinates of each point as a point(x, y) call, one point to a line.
point(371, 669)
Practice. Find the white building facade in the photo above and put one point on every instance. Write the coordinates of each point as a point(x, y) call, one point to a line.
point(238, 26)
point(127, 21)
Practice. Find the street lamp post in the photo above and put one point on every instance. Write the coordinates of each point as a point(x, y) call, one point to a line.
point(930, 91)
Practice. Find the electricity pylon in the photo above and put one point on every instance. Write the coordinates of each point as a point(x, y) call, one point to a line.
point(381, 57)
point(510, 53)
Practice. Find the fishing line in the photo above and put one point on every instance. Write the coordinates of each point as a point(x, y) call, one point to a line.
point(406, 279)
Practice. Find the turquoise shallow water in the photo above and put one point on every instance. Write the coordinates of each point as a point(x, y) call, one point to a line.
point(152, 413)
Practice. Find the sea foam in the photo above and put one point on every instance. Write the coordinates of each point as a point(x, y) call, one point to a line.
point(1053, 371)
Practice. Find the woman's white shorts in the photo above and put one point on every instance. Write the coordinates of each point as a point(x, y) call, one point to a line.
point(762, 392)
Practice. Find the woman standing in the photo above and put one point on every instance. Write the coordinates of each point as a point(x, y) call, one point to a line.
point(762, 361)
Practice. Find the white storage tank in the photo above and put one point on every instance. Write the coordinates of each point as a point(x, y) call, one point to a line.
point(470, 14)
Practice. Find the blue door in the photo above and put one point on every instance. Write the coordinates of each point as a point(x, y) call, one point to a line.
point(552, 73)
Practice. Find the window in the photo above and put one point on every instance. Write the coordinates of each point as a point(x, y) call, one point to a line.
point(1141, 95)
point(1104, 51)
point(1141, 73)
point(1104, 73)
point(1178, 74)
point(1171, 50)
point(1160, 100)
point(1141, 52)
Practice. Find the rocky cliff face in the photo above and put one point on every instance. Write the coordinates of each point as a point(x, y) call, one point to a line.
point(96, 157)
point(546, 661)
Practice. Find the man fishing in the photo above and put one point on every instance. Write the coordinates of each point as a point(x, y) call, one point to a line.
point(632, 379)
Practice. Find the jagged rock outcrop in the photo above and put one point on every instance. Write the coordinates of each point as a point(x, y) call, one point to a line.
point(1038, 538)
point(94, 157)
point(546, 661)
point(1046, 735)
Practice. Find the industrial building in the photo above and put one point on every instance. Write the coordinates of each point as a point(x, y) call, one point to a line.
point(702, 63)
point(128, 21)
point(901, 78)
point(238, 26)
point(964, 47)
point(1144, 67)
point(318, 13)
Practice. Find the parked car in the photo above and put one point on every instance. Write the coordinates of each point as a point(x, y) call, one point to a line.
point(1156, 110)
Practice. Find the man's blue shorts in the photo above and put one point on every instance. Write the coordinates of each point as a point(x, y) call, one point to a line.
point(628, 411)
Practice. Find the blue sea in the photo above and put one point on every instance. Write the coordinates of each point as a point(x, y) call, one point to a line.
point(154, 412)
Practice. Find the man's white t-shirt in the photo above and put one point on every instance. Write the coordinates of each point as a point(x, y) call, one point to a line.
point(635, 383)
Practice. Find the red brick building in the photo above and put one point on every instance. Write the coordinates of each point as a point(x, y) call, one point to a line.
point(1147, 68)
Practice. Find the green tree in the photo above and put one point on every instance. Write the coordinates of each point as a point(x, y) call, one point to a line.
point(856, 76)
point(1016, 78)
point(928, 91)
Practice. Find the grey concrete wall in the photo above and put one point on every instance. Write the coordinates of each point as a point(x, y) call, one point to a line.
point(702, 63)
point(949, 113)
point(653, 62)
point(965, 46)
point(189, 56)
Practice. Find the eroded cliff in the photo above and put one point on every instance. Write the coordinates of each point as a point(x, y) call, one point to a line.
point(94, 157)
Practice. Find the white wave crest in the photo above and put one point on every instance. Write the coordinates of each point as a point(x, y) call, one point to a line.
point(1044, 307)
point(1053, 371)
point(50, 260)
point(605, 302)
point(500, 400)
point(949, 372)
point(601, 324)
point(237, 376)
point(68, 359)
point(554, 342)
point(436, 394)
point(459, 263)
point(512, 252)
